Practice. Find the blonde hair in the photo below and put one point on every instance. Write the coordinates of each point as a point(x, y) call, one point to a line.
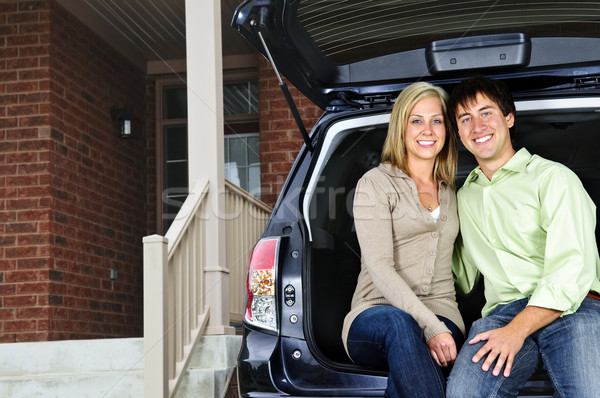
point(394, 149)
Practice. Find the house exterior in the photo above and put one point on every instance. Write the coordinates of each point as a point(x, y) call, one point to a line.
point(76, 197)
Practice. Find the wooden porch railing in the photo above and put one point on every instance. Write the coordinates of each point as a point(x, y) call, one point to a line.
point(246, 220)
point(175, 313)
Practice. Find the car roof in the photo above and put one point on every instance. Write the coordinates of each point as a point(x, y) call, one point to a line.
point(344, 50)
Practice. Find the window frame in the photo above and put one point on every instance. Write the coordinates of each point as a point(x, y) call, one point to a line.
point(161, 124)
point(236, 69)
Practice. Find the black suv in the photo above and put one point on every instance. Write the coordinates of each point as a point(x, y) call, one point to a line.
point(352, 58)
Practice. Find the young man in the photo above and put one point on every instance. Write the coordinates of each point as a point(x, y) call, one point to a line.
point(527, 226)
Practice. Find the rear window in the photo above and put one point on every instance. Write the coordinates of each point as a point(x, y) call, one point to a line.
point(351, 31)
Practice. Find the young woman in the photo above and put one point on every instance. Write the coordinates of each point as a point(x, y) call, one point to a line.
point(404, 313)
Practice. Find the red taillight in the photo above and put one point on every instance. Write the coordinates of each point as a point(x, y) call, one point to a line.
point(261, 308)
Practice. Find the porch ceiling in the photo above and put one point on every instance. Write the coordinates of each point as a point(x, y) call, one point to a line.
point(149, 30)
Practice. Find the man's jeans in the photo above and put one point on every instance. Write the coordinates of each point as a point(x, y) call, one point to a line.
point(385, 336)
point(568, 348)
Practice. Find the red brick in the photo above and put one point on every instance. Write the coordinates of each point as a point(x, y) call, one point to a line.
point(16, 228)
point(22, 63)
point(33, 313)
point(277, 104)
point(7, 122)
point(22, 40)
point(20, 157)
point(33, 215)
point(7, 240)
point(10, 99)
point(276, 157)
point(34, 145)
point(8, 7)
point(7, 170)
point(20, 252)
point(22, 180)
point(19, 326)
point(22, 110)
point(37, 191)
point(8, 338)
point(281, 167)
point(276, 114)
point(20, 301)
point(33, 289)
point(271, 93)
point(19, 87)
point(34, 28)
point(7, 314)
point(269, 136)
point(34, 98)
point(286, 146)
point(7, 53)
point(35, 336)
point(32, 240)
point(7, 265)
point(34, 74)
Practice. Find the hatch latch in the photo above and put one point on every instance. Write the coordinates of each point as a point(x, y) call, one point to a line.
point(591, 81)
point(378, 99)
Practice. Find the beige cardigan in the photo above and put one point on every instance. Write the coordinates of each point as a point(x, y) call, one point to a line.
point(406, 256)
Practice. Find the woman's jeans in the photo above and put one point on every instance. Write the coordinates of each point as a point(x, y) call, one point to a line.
point(385, 336)
point(568, 348)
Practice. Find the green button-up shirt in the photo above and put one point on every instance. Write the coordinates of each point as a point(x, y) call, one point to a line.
point(530, 232)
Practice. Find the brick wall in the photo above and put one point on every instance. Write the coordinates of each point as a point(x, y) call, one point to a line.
point(280, 139)
point(73, 194)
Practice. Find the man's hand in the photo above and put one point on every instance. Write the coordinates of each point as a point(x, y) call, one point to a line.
point(504, 343)
point(502, 346)
point(442, 348)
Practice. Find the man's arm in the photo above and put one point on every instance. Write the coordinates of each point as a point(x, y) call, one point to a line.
point(465, 274)
point(504, 343)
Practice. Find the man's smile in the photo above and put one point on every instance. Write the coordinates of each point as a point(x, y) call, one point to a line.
point(483, 139)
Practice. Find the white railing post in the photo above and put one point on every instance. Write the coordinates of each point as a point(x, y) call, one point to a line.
point(156, 374)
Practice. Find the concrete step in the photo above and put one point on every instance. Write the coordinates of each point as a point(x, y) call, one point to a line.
point(211, 367)
point(73, 368)
point(107, 368)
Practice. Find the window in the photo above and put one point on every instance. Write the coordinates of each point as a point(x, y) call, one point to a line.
point(173, 152)
point(242, 144)
point(242, 161)
point(240, 99)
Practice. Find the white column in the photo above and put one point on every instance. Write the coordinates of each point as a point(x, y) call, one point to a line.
point(205, 143)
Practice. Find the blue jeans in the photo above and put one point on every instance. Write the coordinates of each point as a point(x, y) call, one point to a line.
point(568, 349)
point(385, 336)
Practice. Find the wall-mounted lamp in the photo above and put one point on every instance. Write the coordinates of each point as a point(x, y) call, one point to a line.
point(123, 118)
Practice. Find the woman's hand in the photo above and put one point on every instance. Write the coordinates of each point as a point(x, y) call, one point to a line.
point(443, 349)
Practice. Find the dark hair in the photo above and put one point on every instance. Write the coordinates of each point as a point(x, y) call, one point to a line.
point(465, 93)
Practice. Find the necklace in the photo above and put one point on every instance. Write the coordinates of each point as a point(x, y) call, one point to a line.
point(427, 192)
point(426, 203)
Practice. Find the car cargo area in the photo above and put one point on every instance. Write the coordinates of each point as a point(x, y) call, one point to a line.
point(565, 130)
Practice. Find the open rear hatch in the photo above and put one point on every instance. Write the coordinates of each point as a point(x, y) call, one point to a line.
point(356, 53)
